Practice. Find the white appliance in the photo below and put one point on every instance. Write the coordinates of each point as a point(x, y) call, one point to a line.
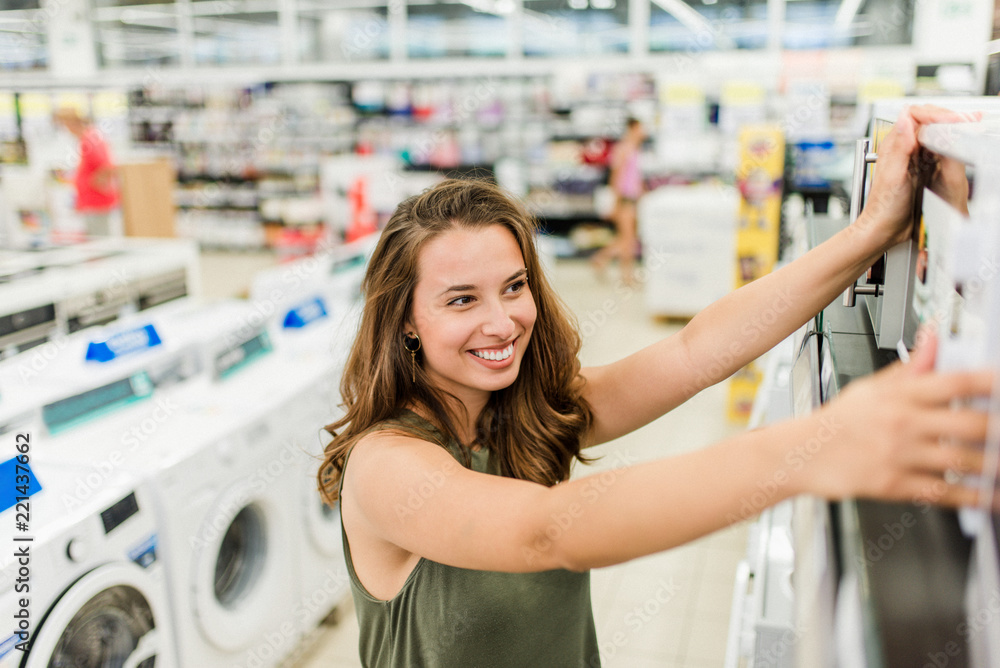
point(216, 453)
point(316, 313)
point(28, 314)
point(76, 287)
point(97, 372)
point(309, 298)
point(688, 241)
point(961, 288)
point(222, 468)
point(322, 572)
point(92, 579)
point(229, 476)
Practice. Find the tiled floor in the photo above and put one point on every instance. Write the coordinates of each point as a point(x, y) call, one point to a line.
point(669, 610)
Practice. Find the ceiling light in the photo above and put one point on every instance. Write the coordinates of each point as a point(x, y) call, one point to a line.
point(845, 13)
point(577, 4)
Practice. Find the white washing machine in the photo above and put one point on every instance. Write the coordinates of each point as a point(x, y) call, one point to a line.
point(89, 588)
point(28, 312)
point(227, 483)
point(75, 287)
point(322, 576)
point(315, 325)
point(222, 469)
point(98, 371)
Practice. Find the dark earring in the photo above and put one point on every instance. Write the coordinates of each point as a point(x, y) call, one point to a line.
point(411, 342)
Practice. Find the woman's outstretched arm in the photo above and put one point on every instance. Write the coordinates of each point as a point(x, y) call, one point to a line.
point(748, 322)
point(869, 442)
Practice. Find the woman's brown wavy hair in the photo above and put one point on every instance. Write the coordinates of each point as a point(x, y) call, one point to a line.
point(533, 427)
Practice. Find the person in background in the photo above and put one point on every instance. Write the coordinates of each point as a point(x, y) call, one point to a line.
point(626, 183)
point(96, 178)
point(467, 542)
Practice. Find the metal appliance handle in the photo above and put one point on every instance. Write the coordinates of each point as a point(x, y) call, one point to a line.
point(862, 158)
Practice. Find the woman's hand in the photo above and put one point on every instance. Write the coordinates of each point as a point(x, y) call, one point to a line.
point(898, 435)
point(888, 208)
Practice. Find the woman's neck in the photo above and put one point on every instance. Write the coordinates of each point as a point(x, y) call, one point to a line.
point(463, 417)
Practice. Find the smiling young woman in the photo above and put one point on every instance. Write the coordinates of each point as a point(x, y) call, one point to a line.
point(465, 540)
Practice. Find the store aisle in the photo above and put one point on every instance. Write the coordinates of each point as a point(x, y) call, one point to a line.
point(669, 610)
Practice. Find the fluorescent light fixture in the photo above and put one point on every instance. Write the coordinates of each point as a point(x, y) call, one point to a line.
point(845, 14)
point(577, 4)
point(498, 7)
point(603, 4)
point(694, 21)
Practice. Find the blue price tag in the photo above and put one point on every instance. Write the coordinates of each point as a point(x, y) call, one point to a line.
point(124, 343)
point(9, 487)
point(305, 313)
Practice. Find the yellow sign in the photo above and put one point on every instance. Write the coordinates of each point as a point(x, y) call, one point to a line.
point(741, 93)
point(759, 178)
point(108, 104)
point(35, 105)
point(683, 95)
point(879, 89)
point(79, 102)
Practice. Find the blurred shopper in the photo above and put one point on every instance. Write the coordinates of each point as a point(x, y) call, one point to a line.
point(96, 178)
point(466, 541)
point(626, 182)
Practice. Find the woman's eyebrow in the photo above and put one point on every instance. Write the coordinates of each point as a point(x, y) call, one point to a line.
point(466, 288)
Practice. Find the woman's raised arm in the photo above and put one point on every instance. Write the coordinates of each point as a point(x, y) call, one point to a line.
point(748, 322)
point(881, 438)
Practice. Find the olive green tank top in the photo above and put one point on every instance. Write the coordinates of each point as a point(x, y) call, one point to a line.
point(448, 617)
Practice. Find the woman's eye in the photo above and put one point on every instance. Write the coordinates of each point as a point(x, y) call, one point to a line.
point(464, 300)
point(518, 286)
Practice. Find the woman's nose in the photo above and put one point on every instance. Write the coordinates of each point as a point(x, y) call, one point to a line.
point(499, 323)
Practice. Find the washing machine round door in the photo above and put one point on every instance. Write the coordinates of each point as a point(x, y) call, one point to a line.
point(323, 524)
point(105, 619)
point(243, 569)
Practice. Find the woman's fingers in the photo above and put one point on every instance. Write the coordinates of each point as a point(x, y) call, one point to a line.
point(946, 387)
point(962, 425)
point(940, 458)
point(932, 489)
point(926, 114)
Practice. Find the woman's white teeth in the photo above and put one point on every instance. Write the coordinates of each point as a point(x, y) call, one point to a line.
point(495, 355)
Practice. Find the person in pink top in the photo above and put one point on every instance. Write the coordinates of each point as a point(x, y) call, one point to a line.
point(626, 181)
point(96, 179)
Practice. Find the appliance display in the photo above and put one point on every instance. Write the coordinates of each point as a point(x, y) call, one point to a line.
point(89, 374)
point(322, 576)
point(62, 290)
point(316, 307)
point(815, 572)
point(958, 285)
point(95, 592)
point(889, 285)
point(229, 470)
point(28, 317)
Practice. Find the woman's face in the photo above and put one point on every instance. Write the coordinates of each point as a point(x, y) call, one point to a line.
point(473, 311)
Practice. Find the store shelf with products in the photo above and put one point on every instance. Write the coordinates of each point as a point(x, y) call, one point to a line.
point(262, 147)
